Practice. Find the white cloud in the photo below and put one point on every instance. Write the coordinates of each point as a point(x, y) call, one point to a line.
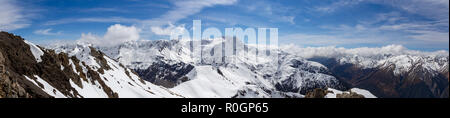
point(431, 36)
point(160, 25)
point(93, 19)
point(303, 39)
point(393, 28)
point(273, 11)
point(103, 9)
point(337, 5)
point(233, 19)
point(436, 9)
point(11, 16)
point(116, 34)
point(289, 19)
point(423, 31)
point(336, 52)
point(168, 30)
point(46, 32)
point(185, 8)
point(182, 9)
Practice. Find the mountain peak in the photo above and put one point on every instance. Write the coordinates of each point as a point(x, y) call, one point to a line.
point(33, 71)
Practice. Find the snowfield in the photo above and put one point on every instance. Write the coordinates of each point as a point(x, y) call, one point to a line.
point(36, 51)
point(359, 91)
point(119, 79)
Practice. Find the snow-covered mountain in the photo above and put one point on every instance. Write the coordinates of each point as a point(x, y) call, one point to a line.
point(396, 56)
point(169, 63)
point(169, 68)
point(82, 72)
point(390, 71)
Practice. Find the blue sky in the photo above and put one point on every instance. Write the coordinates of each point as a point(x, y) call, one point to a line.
point(415, 24)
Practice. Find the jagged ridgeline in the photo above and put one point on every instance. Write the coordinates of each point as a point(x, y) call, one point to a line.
point(79, 70)
point(163, 68)
point(168, 63)
point(30, 71)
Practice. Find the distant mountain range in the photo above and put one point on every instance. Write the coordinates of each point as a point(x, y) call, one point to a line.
point(391, 71)
point(163, 68)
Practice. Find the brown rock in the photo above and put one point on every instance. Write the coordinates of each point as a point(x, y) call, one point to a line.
point(349, 95)
point(316, 93)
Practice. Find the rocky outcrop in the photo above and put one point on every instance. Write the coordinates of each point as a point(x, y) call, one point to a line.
point(12, 83)
point(167, 75)
point(349, 95)
point(316, 93)
point(25, 74)
point(322, 93)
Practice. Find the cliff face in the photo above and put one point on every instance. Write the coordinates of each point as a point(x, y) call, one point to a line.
point(21, 65)
point(30, 71)
point(14, 52)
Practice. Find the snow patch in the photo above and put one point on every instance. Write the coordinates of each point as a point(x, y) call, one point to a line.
point(49, 89)
point(359, 91)
point(363, 92)
point(37, 52)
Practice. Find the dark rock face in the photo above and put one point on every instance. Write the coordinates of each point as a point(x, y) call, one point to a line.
point(167, 75)
point(12, 83)
point(445, 93)
point(99, 58)
point(382, 82)
point(316, 93)
point(18, 61)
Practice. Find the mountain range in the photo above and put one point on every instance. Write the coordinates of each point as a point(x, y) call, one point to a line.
point(165, 68)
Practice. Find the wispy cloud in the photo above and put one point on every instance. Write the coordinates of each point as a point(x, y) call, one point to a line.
point(303, 39)
point(93, 19)
point(341, 22)
point(168, 30)
point(395, 27)
point(275, 12)
point(332, 51)
point(116, 34)
point(436, 9)
point(431, 36)
point(157, 5)
point(162, 25)
point(232, 20)
point(181, 10)
point(11, 16)
point(104, 9)
point(186, 8)
point(431, 31)
point(337, 5)
point(46, 32)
